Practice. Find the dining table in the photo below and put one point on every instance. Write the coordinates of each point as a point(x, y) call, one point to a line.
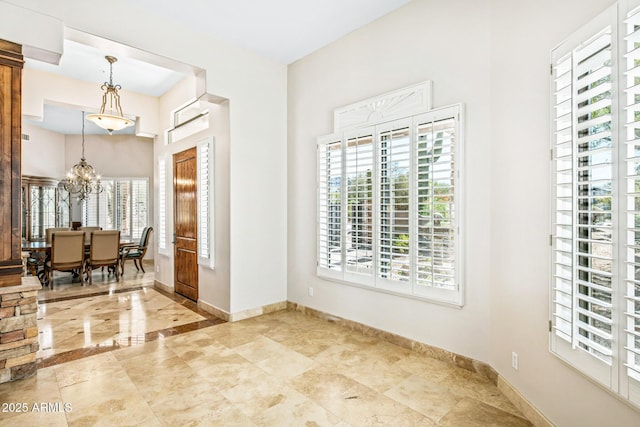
point(40, 251)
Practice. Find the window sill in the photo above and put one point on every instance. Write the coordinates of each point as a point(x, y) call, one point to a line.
point(452, 304)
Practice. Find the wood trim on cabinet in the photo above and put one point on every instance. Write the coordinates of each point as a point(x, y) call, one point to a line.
point(11, 63)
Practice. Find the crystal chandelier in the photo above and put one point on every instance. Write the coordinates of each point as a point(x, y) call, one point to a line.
point(82, 180)
point(114, 119)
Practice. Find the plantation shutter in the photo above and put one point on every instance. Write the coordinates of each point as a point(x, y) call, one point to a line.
point(563, 201)
point(203, 224)
point(90, 212)
point(205, 202)
point(594, 235)
point(330, 203)
point(106, 206)
point(139, 204)
point(162, 205)
point(359, 215)
point(435, 214)
point(96, 209)
point(583, 239)
point(389, 206)
point(394, 189)
point(631, 322)
point(123, 207)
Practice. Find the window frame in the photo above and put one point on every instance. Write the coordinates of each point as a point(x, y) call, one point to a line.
point(410, 289)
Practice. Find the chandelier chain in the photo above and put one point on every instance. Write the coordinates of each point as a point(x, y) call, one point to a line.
point(82, 136)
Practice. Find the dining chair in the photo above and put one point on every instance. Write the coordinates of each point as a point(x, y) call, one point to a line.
point(49, 231)
point(104, 252)
point(87, 232)
point(136, 252)
point(36, 261)
point(67, 254)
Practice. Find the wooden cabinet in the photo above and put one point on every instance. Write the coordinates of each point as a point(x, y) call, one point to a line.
point(44, 205)
point(11, 63)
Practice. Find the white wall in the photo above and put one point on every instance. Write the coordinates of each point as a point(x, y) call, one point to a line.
point(112, 155)
point(523, 35)
point(494, 57)
point(418, 42)
point(44, 154)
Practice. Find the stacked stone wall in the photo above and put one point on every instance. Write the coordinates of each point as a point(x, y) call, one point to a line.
point(18, 330)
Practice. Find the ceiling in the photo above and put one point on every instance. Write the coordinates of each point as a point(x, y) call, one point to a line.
point(283, 30)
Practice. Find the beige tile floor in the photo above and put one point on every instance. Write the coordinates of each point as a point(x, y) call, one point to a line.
point(281, 369)
point(106, 320)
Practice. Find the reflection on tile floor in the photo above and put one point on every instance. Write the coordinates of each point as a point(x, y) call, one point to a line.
point(66, 286)
point(284, 368)
point(107, 320)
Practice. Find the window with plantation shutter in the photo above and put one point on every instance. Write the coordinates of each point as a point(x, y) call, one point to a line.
point(205, 202)
point(389, 206)
point(162, 205)
point(631, 191)
point(123, 205)
point(595, 230)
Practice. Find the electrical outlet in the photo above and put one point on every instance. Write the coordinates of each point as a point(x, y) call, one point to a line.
point(310, 291)
point(514, 360)
point(157, 269)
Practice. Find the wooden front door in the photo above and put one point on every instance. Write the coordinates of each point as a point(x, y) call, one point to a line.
point(185, 224)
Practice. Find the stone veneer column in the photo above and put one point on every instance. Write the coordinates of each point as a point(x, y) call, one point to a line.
point(19, 330)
